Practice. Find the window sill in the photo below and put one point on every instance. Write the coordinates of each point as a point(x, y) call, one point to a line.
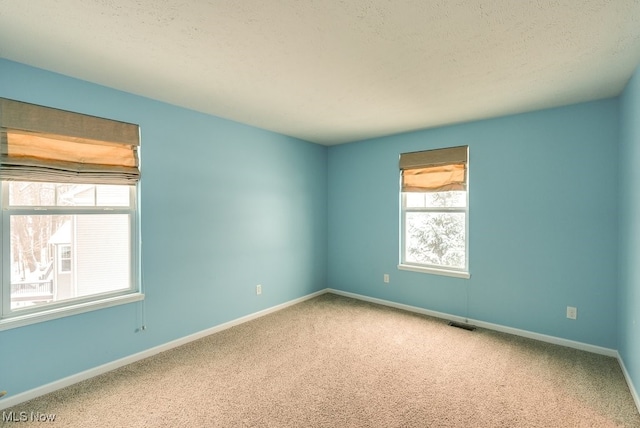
point(434, 271)
point(47, 315)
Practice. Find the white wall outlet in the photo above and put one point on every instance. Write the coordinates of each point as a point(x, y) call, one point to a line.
point(385, 278)
point(259, 289)
point(572, 312)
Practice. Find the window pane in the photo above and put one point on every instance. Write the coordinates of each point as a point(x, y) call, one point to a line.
point(94, 254)
point(414, 199)
point(452, 199)
point(76, 195)
point(435, 238)
point(65, 251)
point(67, 195)
point(32, 194)
point(112, 196)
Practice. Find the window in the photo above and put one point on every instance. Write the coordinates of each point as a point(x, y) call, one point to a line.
point(64, 255)
point(69, 213)
point(435, 211)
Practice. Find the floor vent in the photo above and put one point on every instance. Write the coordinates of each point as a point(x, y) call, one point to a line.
point(461, 325)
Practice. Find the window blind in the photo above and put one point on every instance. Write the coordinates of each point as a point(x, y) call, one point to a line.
point(46, 144)
point(436, 170)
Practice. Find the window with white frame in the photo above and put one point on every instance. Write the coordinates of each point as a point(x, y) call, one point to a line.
point(64, 256)
point(69, 213)
point(434, 206)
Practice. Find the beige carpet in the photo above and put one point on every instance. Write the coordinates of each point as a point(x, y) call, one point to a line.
point(338, 362)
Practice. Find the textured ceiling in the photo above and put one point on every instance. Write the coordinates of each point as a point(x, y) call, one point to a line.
point(336, 71)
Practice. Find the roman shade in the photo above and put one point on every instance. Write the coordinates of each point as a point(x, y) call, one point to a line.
point(46, 144)
point(436, 170)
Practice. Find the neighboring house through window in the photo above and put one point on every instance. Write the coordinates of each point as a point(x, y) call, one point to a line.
point(434, 206)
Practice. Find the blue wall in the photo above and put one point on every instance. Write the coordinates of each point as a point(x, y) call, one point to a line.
point(249, 207)
point(543, 222)
point(629, 301)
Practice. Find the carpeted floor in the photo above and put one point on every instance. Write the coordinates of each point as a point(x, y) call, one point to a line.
point(337, 362)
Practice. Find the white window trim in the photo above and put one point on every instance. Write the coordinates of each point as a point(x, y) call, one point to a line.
point(65, 311)
point(435, 269)
point(12, 319)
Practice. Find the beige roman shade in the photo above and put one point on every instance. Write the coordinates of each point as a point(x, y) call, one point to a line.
point(434, 170)
point(46, 144)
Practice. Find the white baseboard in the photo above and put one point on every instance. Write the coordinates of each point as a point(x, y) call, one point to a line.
point(10, 401)
point(634, 392)
point(497, 327)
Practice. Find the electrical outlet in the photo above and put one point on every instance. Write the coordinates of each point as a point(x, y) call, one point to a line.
point(572, 312)
point(259, 289)
point(385, 278)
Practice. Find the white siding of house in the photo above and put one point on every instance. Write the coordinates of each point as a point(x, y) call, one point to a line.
point(102, 262)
